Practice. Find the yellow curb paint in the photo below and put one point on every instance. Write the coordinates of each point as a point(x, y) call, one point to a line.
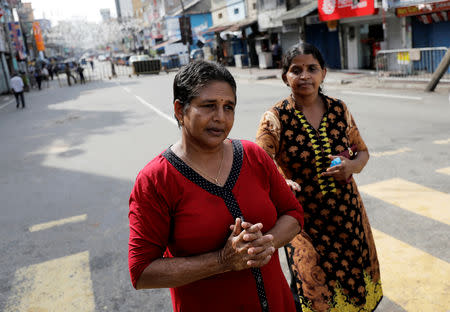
point(412, 278)
point(442, 141)
point(62, 284)
point(444, 170)
point(390, 153)
point(47, 225)
point(412, 197)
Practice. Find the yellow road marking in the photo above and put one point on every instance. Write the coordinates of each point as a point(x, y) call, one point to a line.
point(47, 225)
point(444, 170)
point(390, 153)
point(442, 141)
point(412, 197)
point(412, 278)
point(62, 284)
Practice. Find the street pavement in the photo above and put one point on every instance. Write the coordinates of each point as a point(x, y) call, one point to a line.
point(68, 163)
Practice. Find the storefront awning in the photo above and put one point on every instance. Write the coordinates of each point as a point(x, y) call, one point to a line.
point(434, 17)
point(217, 28)
point(242, 24)
point(299, 12)
point(163, 44)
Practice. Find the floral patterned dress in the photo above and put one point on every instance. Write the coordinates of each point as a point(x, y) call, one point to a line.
point(333, 261)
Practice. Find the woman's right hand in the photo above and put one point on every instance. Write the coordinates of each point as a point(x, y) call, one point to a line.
point(246, 247)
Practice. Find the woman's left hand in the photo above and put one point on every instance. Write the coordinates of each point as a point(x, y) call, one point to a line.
point(340, 172)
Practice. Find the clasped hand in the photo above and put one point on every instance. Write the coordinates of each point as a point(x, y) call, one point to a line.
point(246, 247)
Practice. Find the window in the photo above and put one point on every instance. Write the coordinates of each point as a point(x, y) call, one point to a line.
point(254, 5)
point(236, 11)
point(219, 15)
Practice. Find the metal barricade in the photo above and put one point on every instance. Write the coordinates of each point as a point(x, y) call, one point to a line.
point(410, 64)
point(147, 67)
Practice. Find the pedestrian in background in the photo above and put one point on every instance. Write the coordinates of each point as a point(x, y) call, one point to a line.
point(45, 74)
point(38, 77)
point(333, 261)
point(51, 70)
point(69, 74)
point(80, 70)
point(17, 85)
point(188, 205)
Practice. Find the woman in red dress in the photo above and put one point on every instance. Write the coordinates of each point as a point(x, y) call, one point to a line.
point(208, 215)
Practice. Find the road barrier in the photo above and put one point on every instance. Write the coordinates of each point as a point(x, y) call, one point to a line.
point(147, 67)
point(410, 64)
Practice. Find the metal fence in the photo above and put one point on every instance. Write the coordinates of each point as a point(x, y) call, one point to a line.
point(410, 64)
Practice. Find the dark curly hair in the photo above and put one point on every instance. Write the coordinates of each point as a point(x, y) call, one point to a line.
point(196, 75)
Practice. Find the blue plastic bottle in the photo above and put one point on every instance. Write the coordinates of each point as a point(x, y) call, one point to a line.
point(335, 162)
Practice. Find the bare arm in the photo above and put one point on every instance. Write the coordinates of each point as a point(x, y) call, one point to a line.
point(284, 230)
point(174, 272)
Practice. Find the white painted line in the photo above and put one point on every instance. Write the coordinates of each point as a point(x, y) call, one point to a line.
point(444, 170)
point(384, 95)
point(6, 104)
point(47, 225)
point(442, 141)
point(169, 118)
point(126, 89)
point(389, 153)
point(62, 284)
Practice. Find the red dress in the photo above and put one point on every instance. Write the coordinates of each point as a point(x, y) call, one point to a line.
point(174, 215)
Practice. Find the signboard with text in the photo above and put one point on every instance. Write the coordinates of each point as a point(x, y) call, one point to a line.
point(38, 36)
point(336, 9)
point(16, 39)
point(423, 9)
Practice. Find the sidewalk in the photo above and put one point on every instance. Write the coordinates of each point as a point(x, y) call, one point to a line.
point(342, 78)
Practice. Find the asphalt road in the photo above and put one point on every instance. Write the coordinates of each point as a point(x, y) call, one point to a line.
point(71, 157)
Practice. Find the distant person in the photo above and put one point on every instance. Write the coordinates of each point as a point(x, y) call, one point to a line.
point(38, 77)
point(45, 74)
point(113, 69)
point(17, 85)
point(276, 55)
point(91, 61)
point(69, 74)
point(51, 70)
point(80, 71)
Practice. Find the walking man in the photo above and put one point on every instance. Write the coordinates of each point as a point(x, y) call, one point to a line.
point(16, 83)
point(80, 70)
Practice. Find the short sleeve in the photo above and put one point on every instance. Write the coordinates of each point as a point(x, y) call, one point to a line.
point(352, 131)
point(268, 133)
point(149, 221)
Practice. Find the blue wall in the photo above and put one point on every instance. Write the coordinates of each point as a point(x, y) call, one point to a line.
point(430, 35)
point(327, 42)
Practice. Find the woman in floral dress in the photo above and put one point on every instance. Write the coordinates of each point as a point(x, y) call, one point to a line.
point(333, 261)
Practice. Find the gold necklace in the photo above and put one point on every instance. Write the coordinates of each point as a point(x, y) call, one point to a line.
point(216, 179)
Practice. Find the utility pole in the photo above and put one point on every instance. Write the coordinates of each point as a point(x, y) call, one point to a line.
point(440, 71)
point(184, 27)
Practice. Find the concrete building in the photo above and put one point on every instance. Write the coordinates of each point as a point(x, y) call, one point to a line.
point(106, 15)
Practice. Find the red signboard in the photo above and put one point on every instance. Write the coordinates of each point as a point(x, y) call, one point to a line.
point(336, 9)
point(423, 9)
